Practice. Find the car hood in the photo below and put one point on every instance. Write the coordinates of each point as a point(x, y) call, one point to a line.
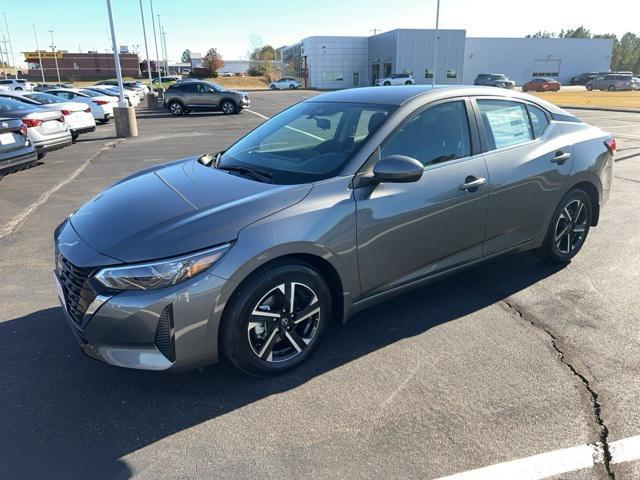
point(237, 92)
point(177, 208)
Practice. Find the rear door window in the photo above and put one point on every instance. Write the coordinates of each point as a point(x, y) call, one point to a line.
point(506, 123)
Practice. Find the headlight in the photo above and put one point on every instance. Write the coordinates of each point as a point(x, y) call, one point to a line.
point(160, 274)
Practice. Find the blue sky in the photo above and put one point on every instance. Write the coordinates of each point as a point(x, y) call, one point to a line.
point(229, 25)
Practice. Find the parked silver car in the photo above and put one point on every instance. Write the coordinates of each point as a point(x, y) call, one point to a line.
point(611, 82)
point(46, 128)
point(185, 97)
point(331, 206)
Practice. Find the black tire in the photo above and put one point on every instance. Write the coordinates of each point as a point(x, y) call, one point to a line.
point(408, 82)
point(240, 339)
point(228, 107)
point(524, 88)
point(589, 87)
point(387, 84)
point(611, 88)
point(176, 108)
point(292, 87)
point(18, 89)
point(272, 87)
point(41, 155)
point(103, 121)
point(74, 137)
point(577, 228)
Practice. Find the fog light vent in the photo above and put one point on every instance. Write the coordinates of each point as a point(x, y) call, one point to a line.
point(164, 333)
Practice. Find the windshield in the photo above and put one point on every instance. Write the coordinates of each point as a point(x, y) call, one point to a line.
point(308, 142)
point(44, 98)
point(499, 77)
point(92, 93)
point(8, 104)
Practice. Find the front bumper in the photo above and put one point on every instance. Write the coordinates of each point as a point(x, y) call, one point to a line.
point(174, 328)
point(245, 102)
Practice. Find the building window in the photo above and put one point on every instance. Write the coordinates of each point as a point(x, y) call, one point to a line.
point(408, 70)
point(387, 69)
point(545, 74)
point(428, 73)
point(452, 74)
point(332, 76)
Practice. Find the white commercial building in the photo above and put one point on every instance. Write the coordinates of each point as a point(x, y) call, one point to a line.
point(342, 62)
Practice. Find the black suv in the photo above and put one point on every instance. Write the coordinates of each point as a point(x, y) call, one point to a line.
point(182, 98)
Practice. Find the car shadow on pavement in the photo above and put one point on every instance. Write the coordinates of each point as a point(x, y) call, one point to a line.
point(64, 415)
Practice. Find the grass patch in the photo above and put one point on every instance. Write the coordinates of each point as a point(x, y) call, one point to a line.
point(585, 98)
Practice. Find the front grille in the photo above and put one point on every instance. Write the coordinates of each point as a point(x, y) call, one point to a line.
point(164, 333)
point(75, 285)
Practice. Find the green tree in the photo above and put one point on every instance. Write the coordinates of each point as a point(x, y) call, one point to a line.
point(213, 61)
point(542, 34)
point(186, 56)
point(580, 32)
point(629, 53)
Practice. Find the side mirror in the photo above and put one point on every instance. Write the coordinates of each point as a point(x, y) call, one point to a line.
point(398, 169)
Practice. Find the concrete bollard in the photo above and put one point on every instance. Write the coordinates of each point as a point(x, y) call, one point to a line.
point(152, 101)
point(126, 125)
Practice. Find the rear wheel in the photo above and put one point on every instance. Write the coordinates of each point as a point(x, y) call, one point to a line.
point(589, 87)
point(176, 108)
point(611, 88)
point(387, 84)
point(272, 87)
point(228, 107)
point(524, 88)
point(408, 82)
point(276, 319)
point(569, 228)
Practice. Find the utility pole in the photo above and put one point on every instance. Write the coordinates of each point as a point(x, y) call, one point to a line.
point(39, 54)
point(164, 54)
point(435, 47)
point(375, 31)
point(126, 125)
point(55, 56)
point(13, 60)
point(155, 40)
point(151, 98)
point(4, 64)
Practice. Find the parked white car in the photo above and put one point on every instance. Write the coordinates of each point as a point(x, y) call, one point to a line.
point(17, 84)
point(396, 79)
point(101, 105)
point(285, 83)
point(77, 116)
point(131, 96)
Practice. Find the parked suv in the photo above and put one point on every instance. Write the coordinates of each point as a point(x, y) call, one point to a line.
point(396, 79)
point(493, 80)
point(182, 98)
point(611, 82)
point(584, 78)
point(284, 83)
point(17, 84)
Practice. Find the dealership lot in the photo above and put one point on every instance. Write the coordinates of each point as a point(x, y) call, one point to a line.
point(503, 362)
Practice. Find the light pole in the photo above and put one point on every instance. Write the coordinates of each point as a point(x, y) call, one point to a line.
point(435, 47)
point(164, 53)
point(55, 56)
point(4, 65)
point(125, 116)
point(13, 60)
point(39, 54)
point(155, 40)
point(151, 98)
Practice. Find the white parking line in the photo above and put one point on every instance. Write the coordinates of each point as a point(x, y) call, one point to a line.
point(553, 463)
point(287, 126)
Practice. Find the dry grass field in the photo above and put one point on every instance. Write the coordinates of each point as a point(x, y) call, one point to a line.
point(593, 99)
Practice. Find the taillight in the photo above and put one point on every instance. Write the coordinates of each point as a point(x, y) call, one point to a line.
point(23, 129)
point(100, 102)
point(87, 110)
point(611, 145)
point(31, 122)
point(65, 112)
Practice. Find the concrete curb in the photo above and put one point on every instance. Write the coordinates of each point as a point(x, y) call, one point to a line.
point(602, 109)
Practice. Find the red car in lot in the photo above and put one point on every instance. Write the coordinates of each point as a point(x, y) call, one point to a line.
point(541, 85)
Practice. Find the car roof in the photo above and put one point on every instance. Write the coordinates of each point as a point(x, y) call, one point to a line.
point(398, 95)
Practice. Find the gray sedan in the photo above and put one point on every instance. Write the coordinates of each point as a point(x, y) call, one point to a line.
point(333, 205)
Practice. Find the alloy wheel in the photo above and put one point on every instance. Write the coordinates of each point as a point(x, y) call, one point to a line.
point(284, 322)
point(175, 109)
point(228, 108)
point(571, 227)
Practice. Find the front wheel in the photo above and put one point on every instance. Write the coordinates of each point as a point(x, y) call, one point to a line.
point(176, 108)
point(524, 89)
point(228, 107)
point(408, 82)
point(589, 87)
point(272, 87)
point(387, 84)
point(276, 319)
point(611, 88)
point(568, 229)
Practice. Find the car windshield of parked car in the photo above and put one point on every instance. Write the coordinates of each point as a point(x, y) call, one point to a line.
point(8, 105)
point(45, 98)
point(309, 142)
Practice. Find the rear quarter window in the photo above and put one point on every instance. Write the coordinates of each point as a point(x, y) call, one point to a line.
point(539, 120)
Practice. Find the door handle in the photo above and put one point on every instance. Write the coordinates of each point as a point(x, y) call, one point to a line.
point(560, 157)
point(471, 183)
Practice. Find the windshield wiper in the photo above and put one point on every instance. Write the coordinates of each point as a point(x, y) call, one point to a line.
point(264, 177)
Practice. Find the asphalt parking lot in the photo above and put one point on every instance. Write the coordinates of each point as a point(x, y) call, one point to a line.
point(506, 361)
